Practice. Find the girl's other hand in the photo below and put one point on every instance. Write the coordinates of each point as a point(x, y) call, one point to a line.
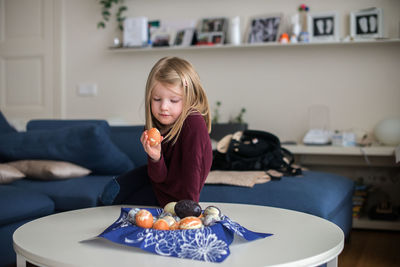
point(154, 152)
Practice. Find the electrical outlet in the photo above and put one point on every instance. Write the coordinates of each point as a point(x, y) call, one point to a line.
point(87, 89)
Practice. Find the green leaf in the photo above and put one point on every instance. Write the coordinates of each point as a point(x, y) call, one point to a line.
point(101, 25)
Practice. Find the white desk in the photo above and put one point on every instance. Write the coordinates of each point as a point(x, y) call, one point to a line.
point(299, 240)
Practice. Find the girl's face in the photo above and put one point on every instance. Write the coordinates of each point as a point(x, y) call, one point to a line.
point(166, 103)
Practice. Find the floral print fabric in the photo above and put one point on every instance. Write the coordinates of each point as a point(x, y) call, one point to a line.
point(209, 244)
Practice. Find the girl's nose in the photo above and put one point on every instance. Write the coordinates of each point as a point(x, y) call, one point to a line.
point(164, 105)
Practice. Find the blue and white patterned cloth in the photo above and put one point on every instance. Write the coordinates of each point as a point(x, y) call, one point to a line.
point(207, 244)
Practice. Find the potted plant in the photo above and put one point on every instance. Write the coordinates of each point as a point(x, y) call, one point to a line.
point(106, 7)
point(219, 130)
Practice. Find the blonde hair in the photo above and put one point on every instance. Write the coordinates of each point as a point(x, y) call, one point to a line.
point(176, 71)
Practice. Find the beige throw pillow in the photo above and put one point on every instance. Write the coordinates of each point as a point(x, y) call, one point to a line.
point(49, 169)
point(9, 174)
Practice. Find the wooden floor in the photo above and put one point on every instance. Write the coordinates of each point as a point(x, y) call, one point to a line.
point(368, 248)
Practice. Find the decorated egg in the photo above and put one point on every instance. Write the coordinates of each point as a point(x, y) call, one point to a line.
point(174, 226)
point(144, 218)
point(154, 136)
point(212, 210)
point(161, 224)
point(210, 219)
point(169, 219)
point(185, 208)
point(190, 222)
point(132, 214)
point(170, 208)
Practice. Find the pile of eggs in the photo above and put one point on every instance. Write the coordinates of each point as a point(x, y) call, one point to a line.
point(181, 215)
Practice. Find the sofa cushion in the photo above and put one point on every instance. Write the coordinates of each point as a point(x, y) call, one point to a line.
point(5, 127)
point(127, 138)
point(54, 124)
point(49, 169)
point(18, 204)
point(69, 194)
point(318, 193)
point(89, 146)
point(9, 174)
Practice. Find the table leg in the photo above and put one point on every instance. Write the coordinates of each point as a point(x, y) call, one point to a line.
point(332, 263)
point(21, 261)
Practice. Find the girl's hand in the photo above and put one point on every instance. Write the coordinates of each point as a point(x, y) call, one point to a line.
point(154, 152)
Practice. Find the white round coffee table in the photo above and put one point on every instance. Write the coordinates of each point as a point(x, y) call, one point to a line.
point(61, 239)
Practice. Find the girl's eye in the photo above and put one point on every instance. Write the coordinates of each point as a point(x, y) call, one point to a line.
point(156, 99)
point(174, 100)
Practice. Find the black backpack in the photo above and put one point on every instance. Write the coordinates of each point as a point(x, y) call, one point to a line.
point(256, 150)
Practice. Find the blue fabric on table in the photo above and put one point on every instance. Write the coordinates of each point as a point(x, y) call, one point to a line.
point(69, 194)
point(19, 204)
point(209, 244)
point(88, 146)
point(5, 127)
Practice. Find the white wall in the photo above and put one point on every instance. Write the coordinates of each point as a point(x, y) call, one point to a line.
point(360, 84)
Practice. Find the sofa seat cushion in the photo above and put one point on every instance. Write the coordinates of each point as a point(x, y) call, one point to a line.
point(19, 204)
point(69, 194)
point(318, 193)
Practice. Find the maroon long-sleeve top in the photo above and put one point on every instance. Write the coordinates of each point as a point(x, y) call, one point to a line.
point(183, 168)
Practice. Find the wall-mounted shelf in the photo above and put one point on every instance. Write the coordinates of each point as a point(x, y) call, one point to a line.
point(249, 46)
point(337, 150)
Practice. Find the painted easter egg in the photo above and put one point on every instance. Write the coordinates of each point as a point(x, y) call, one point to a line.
point(144, 219)
point(154, 136)
point(190, 222)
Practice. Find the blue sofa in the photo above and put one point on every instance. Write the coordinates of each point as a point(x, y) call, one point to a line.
point(111, 150)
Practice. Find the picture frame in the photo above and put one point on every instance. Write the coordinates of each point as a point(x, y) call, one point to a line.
point(184, 37)
point(323, 27)
point(366, 23)
point(212, 38)
point(264, 28)
point(161, 38)
point(212, 25)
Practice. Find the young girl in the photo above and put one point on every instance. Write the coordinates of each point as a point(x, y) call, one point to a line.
point(177, 105)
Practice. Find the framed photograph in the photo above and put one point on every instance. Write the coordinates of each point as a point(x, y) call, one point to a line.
point(264, 28)
point(323, 27)
point(212, 38)
point(366, 23)
point(209, 25)
point(161, 39)
point(184, 37)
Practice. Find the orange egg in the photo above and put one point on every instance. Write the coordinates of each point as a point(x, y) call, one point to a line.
point(190, 222)
point(154, 136)
point(161, 224)
point(144, 219)
point(174, 226)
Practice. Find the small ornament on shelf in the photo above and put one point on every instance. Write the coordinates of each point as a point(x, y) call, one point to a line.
point(304, 35)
